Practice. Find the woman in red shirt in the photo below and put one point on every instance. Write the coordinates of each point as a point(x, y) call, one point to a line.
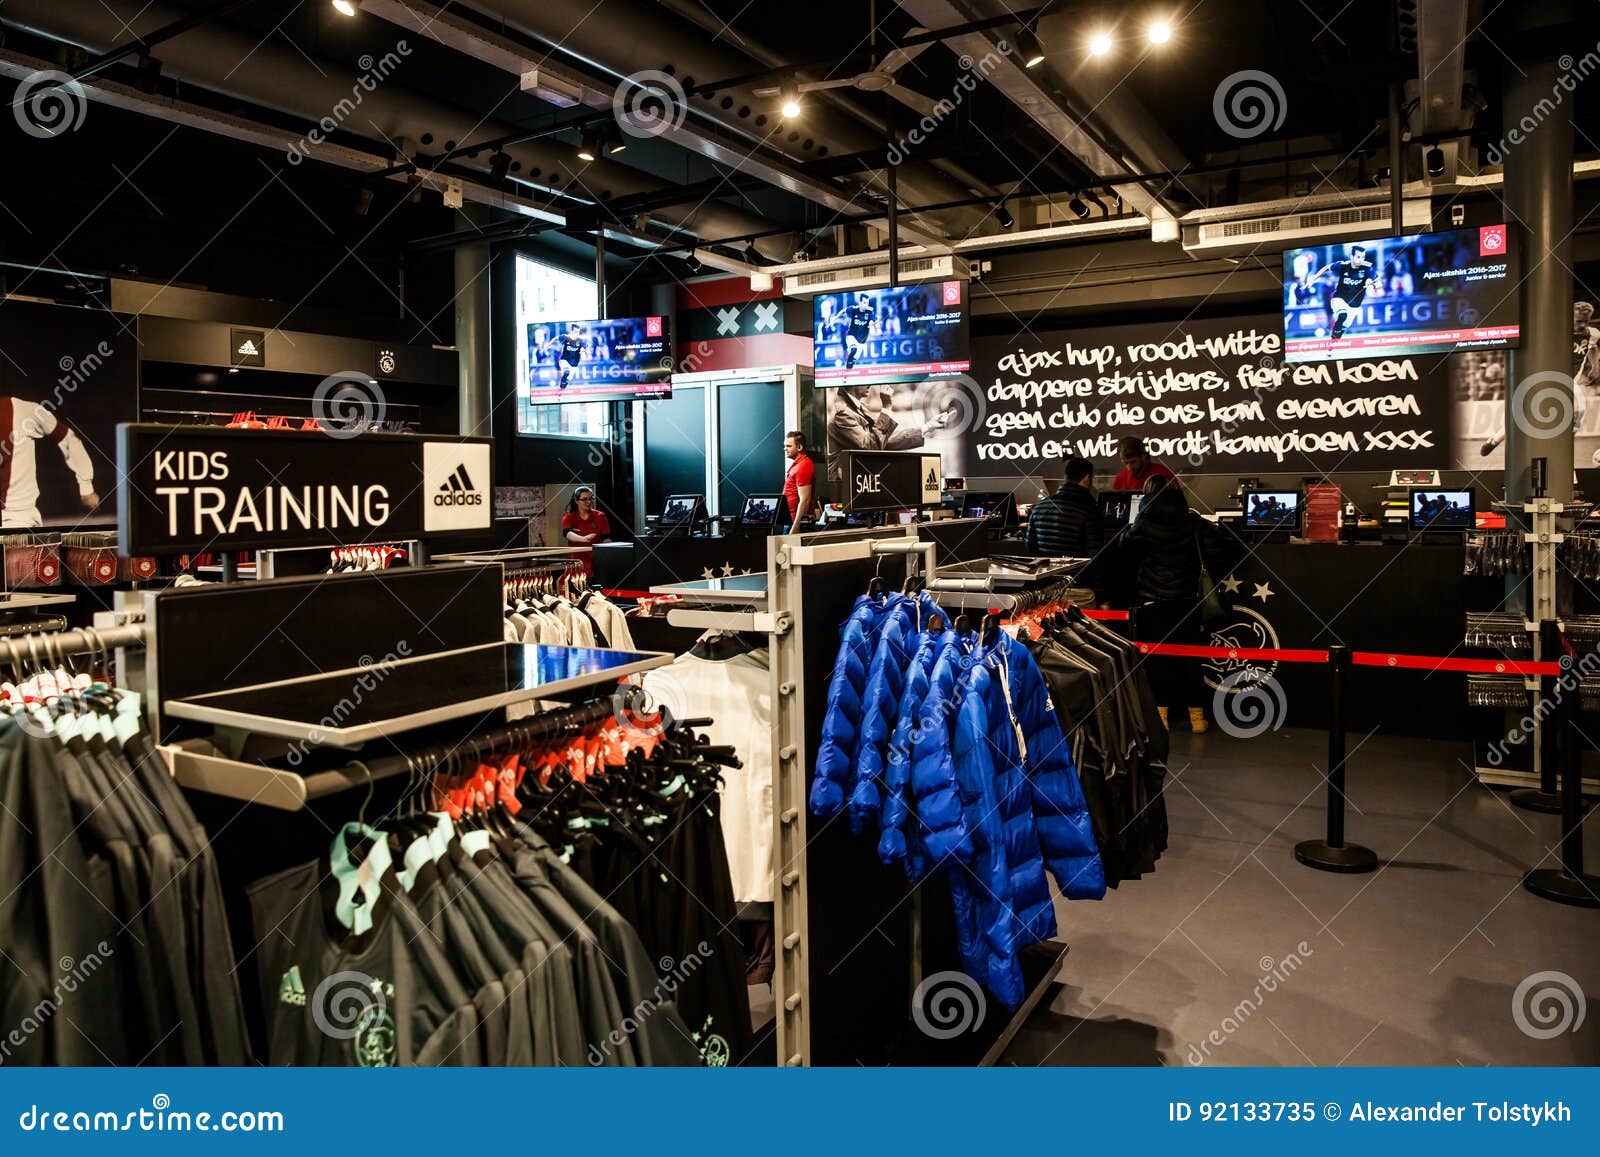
point(583, 525)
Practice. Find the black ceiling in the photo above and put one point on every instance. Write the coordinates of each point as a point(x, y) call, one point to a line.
point(1328, 56)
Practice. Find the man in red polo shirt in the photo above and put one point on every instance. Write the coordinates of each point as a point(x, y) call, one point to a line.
point(799, 484)
point(1137, 466)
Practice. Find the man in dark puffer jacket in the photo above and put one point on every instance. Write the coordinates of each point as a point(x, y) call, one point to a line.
point(1067, 524)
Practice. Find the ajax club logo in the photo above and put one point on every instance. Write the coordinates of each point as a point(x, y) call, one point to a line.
point(386, 362)
point(458, 490)
point(1491, 240)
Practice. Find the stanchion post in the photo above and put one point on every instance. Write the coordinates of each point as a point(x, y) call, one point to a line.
point(1545, 797)
point(1567, 884)
point(1333, 854)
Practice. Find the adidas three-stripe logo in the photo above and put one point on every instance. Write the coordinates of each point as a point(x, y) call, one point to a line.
point(458, 490)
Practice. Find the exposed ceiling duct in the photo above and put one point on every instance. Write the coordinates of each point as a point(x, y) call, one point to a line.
point(566, 86)
point(657, 40)
point(697, 12)
point(1027, 89)
point(264, 73)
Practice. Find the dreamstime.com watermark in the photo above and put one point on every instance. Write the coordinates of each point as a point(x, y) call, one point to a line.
point(1547, 1004)
point(348, 404)
point(619, 435)
point(1249, 103)
point(72, 975)
point(371, 678)
point(373, 73)
point(1573, 71)
point(160, 1117)
point(1567, 683)
point(673, 975)
point(649, 103)
point(49, 104)
point(972, 71)
point(948, 1004)
point(1249, 703)
point(1274, 975)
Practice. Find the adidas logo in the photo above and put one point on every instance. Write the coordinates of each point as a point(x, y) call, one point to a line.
point(291, 990)
point(932, 481)
point(248, 349)
point(458, 490)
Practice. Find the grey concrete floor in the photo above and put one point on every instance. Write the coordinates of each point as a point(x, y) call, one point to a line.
point(1233, 953)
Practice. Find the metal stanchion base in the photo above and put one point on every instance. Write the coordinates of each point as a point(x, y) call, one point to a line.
point(1533, 800)
point(1555, 884)
point(1325, 857)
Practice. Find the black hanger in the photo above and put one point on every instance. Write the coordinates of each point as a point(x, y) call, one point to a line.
point(720, 646)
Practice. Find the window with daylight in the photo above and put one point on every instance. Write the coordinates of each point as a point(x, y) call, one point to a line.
point(546, 293)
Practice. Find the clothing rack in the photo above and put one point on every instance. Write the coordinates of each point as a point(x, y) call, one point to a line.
point(867, 936)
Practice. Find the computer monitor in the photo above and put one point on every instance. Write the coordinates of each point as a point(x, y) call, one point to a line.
point(685, 510)
point(1266, 511)
point(1438, 511)
point(760, 511)
point(1118, 508)
point(999, 508)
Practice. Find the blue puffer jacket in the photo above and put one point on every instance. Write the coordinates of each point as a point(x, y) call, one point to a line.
point(1060, 814)
point(840, 724)
point(901, 842)
point(1020, 806)
point(981, 890)
point(898, 632)
point(936, 801)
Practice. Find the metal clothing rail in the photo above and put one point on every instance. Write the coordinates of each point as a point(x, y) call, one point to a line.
point(78, 641)
point(200, 765)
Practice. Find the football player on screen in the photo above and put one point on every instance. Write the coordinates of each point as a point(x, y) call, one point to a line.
point(571, 354)
point(1351, 277)
point(858, 321)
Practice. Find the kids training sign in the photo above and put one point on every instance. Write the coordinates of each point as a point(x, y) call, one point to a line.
point(189, 489)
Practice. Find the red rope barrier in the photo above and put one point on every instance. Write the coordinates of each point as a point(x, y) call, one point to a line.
point(1193, 651)
point(1438, 663)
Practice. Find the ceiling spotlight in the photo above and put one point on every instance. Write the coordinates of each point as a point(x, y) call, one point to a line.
point(499, 165)
point(1078, 208)
point(1435, 160)
point(692, 260)
point(1381, 177)
point(1159, 30)
point(789, 101)
point(588, 145)
point(1003, 215)
point(1029, 45)
point(614, 140)
point(753, 255)
point(344, 7)
point(1100, 43)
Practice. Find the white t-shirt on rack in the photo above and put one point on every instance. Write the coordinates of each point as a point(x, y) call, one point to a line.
point(737, 694)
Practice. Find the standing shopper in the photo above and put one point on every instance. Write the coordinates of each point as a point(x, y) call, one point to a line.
point(1167, 547)
point(1067, 524)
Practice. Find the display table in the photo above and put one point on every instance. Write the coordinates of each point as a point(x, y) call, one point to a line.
point(649, 562)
